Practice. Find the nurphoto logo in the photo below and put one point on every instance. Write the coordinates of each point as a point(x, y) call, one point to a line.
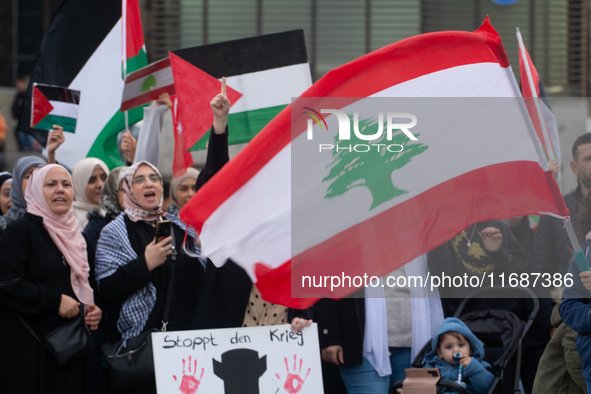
point(392, 124)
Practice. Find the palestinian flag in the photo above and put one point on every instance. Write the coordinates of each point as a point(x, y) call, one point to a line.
point(283, 210)
point(537, 103)
point(54, 105)
point(263, 73)
point(147, 84)
point(87, 47)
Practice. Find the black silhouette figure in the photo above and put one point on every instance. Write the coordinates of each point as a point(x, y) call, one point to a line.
point(240, 370)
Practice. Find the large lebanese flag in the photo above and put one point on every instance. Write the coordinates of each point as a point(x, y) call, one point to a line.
point(279, 220)
point(87, 47)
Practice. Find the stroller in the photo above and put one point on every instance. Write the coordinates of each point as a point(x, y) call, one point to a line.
point(502, 333)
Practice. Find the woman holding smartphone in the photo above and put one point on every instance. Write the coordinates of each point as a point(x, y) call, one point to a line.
point(133, 270)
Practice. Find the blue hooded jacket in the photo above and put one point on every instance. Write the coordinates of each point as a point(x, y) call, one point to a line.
point(575, 311)
point(475, 375)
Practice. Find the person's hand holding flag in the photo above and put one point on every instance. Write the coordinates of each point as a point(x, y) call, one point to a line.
point(56, 138)
point(128, 146)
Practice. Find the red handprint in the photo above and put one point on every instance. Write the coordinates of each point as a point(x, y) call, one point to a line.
point(294, 382)
point(189, 384)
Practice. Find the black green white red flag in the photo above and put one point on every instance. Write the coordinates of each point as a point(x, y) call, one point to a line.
point(54, 105)
point(87, 47)
point(262, 74)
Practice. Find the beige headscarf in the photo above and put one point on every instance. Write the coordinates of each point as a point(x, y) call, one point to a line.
point(174, 185)
point(81, 175)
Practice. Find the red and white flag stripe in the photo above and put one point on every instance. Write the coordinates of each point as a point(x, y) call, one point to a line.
point(245, 211)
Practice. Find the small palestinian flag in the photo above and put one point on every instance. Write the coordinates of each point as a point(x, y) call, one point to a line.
point(54, 105)
point(146, 84)
point(263, 72)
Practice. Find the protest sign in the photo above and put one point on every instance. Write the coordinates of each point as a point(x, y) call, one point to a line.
point(270, 359)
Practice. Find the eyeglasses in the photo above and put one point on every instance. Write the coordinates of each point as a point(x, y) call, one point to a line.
point(140, 180)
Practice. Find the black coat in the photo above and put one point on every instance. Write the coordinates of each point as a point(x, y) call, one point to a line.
point(552, 250)
point(342, 322)
point(217, 157)
point(33, 277)
point(551, 253)
point(225, 296)
point(188, 276)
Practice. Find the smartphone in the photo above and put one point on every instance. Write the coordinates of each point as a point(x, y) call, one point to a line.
point(163, 230)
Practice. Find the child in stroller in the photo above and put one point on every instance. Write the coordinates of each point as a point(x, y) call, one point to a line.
point(502, 332)
point(454, 336)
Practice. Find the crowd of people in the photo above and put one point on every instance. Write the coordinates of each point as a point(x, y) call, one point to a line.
point(88, 238)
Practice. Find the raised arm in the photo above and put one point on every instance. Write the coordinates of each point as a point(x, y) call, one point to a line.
point(217, 150)
point(148, 142)
point(56, 138)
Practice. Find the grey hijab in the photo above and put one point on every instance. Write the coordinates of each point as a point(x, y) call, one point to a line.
point(19, 205)
point(109, 200)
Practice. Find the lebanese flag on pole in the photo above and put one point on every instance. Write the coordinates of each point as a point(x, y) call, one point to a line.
point(282, 215)
point(183, 159)
point(99, 39)
point(539, 106)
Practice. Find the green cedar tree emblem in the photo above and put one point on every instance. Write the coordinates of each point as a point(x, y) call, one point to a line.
point(372, 169)
point(149, 82)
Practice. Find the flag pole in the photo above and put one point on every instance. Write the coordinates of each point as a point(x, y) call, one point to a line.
point(124, 54)
point(568, 226)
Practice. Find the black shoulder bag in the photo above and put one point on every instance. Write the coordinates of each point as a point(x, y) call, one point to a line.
point(68, 342)
point(133, 364)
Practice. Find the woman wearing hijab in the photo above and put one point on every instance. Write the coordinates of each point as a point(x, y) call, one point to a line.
point(89, 177)
point(44, 277)
point(182, 189)
point(111, 204)
point(5, 201)
point(23, 169)
point(132, 270)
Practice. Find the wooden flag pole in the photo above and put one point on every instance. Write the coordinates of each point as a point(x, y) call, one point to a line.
point(124, 55)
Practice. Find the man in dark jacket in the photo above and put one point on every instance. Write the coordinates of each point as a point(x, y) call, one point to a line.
point(552, 250)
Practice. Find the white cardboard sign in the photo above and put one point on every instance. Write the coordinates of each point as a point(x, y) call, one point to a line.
point(265, 360)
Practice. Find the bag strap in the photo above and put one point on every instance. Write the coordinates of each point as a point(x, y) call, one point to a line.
point(172, 261)
point(33, 332)
point(30, 330)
